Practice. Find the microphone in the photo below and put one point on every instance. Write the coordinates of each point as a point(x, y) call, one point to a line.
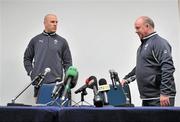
point(130, 79)
point(92, 84)
point(82, 88)
point(58, 86)
point(112, 76)
point(41, 77)
point(104, 88)
point(70, 81)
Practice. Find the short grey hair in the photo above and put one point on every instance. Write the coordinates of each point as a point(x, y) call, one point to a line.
point(148, 21)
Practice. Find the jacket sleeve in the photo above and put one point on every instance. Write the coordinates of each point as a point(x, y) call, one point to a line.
point(28, 57)
point(132, 73)
point(162, 54)
point(66, 57)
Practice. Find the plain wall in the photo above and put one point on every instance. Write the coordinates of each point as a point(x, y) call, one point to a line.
point(100, 34)
point(0, 51)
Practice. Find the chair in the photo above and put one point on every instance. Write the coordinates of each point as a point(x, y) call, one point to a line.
point(120, 96)
point(44, 96)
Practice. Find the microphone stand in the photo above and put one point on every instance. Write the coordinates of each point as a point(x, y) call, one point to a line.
point(83, 93)
point(67, 99)
point(56, 98)
point(53, 101)
point(14, 99)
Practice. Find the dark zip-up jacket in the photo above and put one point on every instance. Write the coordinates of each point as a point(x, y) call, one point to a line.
point(47, 50)
point(154, 68)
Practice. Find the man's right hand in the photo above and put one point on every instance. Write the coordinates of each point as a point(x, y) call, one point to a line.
point(123, 81)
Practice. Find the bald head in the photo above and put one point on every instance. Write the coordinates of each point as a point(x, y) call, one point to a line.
point(144, 26)
point(146, 20)
point(50, 23)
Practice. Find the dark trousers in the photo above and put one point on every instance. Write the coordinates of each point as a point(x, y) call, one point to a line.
point(156, 102)
point(36, 90)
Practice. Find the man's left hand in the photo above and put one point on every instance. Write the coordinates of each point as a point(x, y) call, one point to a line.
point(164, 100)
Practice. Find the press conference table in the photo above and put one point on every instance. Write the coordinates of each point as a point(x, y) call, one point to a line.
point(88, 114)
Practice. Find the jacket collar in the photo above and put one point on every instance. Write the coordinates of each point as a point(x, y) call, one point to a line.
point(49, 34)
point(148, 36)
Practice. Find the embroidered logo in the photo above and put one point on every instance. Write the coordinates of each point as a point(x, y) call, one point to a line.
point(165, 51)
point(41, 41)
point(55, 41)
point(145, 47)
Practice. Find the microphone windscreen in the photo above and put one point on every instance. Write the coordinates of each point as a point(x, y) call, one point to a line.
point(102, 81)
point(87, 81)
point(71, 73)
point(103, 86)
point(111, 71)
point(92, 78)
point(91, 81)
point(47, 69)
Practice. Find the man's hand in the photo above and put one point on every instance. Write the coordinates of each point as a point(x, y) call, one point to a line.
point(123, 81)
point(164, 100)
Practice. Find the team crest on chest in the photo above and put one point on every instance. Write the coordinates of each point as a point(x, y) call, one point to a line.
point(41, 41)
point(55, 41)
point(145, 47)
